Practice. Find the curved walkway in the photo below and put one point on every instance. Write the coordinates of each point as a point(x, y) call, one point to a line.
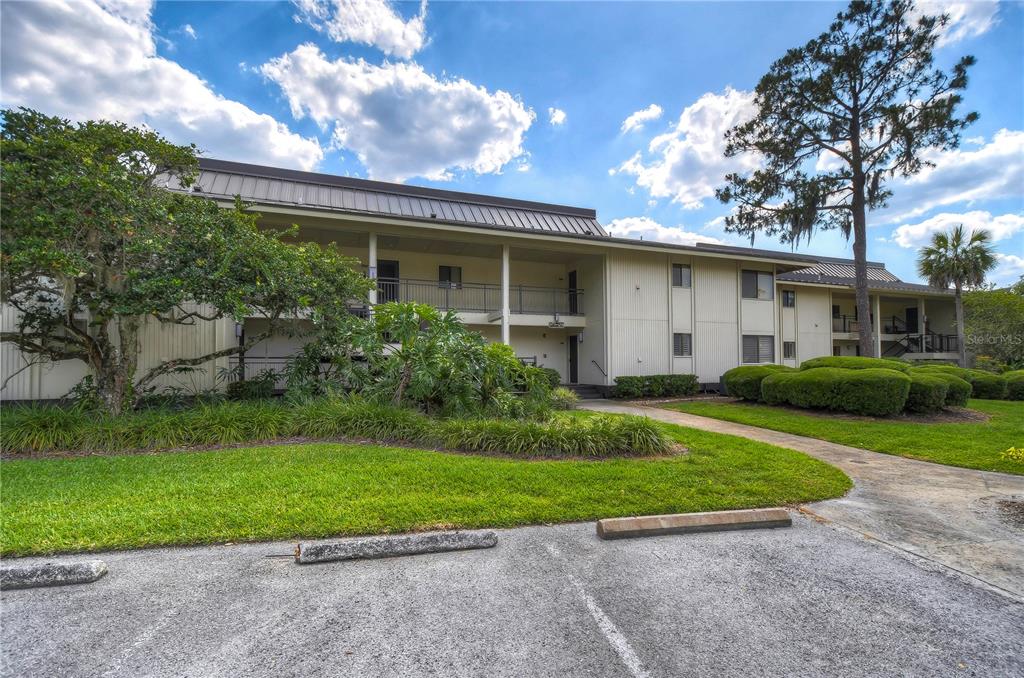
point(945, 514)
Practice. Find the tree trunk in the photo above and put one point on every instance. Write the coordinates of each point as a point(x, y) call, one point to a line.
point(860, 262)
point(114, 368)
point(403, 383)
point(961, 334)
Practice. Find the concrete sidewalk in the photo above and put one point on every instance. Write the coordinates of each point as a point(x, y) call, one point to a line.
point(946, 514)
point(809, 600)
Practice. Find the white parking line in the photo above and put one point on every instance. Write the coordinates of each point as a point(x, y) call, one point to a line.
point(611, 632)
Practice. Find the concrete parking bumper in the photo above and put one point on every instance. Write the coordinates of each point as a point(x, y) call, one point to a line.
point(683, 523)
point(391, 546)
point(51, 574)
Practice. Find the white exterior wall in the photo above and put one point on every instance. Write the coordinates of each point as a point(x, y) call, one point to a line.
point(813, 318)
point(158, 343)
point(640, 340)
point(716, 337)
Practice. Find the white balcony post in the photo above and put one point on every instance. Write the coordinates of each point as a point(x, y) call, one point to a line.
point(371, 263)
point(877, 329)
point(506, 309)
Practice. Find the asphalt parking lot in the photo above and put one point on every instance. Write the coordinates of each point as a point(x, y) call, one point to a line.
point(810, 600)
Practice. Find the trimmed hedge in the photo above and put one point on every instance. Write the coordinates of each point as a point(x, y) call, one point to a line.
point(656, 386)
point(745, 381)
point(957, 390)
point(855, 363)
point(54, 429)
point(927, 393)
point(1014, 385)
point(873, 392)
point(947, 369)
point(987, 385)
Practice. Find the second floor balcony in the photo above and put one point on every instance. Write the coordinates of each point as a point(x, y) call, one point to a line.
point(471, 297)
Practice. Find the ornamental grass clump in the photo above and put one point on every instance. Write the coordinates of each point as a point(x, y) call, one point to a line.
point(55, 429)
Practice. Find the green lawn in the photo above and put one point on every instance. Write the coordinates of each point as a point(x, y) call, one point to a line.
point(970, 445)
point(318, 490)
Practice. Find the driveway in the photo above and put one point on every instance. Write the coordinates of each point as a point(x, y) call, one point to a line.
point(810, 600)
point(947, 515)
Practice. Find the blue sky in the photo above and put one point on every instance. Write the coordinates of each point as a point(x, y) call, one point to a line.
point(616, 106)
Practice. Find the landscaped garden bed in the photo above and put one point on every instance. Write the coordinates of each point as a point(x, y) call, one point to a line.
point(319, 490)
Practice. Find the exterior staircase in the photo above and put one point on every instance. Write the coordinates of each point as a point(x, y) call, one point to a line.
point(585, 391)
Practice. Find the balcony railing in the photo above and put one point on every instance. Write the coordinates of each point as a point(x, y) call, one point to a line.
point(481, 297)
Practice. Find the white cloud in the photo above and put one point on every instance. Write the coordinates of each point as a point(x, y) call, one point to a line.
point(1009, 268)
point(398, 119)
point(370, 22)
point(637, 119)
point(966, 19)
point(645, 228)
point(994, 170)
point(188, 30)
point(688, 162)
point(556, 116)
point(84, 60)
point(917, 235)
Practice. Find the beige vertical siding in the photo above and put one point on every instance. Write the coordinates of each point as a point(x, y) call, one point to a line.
point(157, 343)
point(814, 323)
point(639, 301)
point(716, 342)
point(591, 278)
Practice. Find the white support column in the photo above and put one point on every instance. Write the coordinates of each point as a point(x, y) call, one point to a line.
point(371, 263)
point(506, 308)
point(921, 316)
point(877, 329)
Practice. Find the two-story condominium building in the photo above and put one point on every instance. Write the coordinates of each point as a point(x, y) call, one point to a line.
point(550, 281)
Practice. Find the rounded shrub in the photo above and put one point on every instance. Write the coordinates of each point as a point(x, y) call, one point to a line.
point(745, 381)
point(987, 385)
point(855, 363)
point(957, 390)
point(927, 393)
point(946, 369)
point(873, 392)
point(552, 376)
point(1014, 385)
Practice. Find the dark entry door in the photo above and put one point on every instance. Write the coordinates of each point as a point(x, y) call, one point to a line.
point(574, 304)
point(387, 281)
point(912, 320)
point(574, 359)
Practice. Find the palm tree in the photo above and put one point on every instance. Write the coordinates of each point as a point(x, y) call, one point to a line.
point(954, 259)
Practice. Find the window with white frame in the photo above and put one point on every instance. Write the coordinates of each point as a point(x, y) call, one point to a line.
point(789, 349)
point(681, 276)
point(682, 345)
point(758, 285)
point(758, 348)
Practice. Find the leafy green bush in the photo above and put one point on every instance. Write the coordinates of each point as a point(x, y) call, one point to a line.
point(946, 369)
point(552, 375)
point(957, 390)
point(987, 385)
point(590, 437)
point(1014, 385)
point(563, 399)
point(47, 429)
point(855, 363)
point(927, 393)
point(655, 386)
point(745, 381)
point(874, 392)
point(256, 388)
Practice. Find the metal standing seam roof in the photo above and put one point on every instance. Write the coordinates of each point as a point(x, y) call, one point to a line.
point(839, 273)
point(270, 185)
